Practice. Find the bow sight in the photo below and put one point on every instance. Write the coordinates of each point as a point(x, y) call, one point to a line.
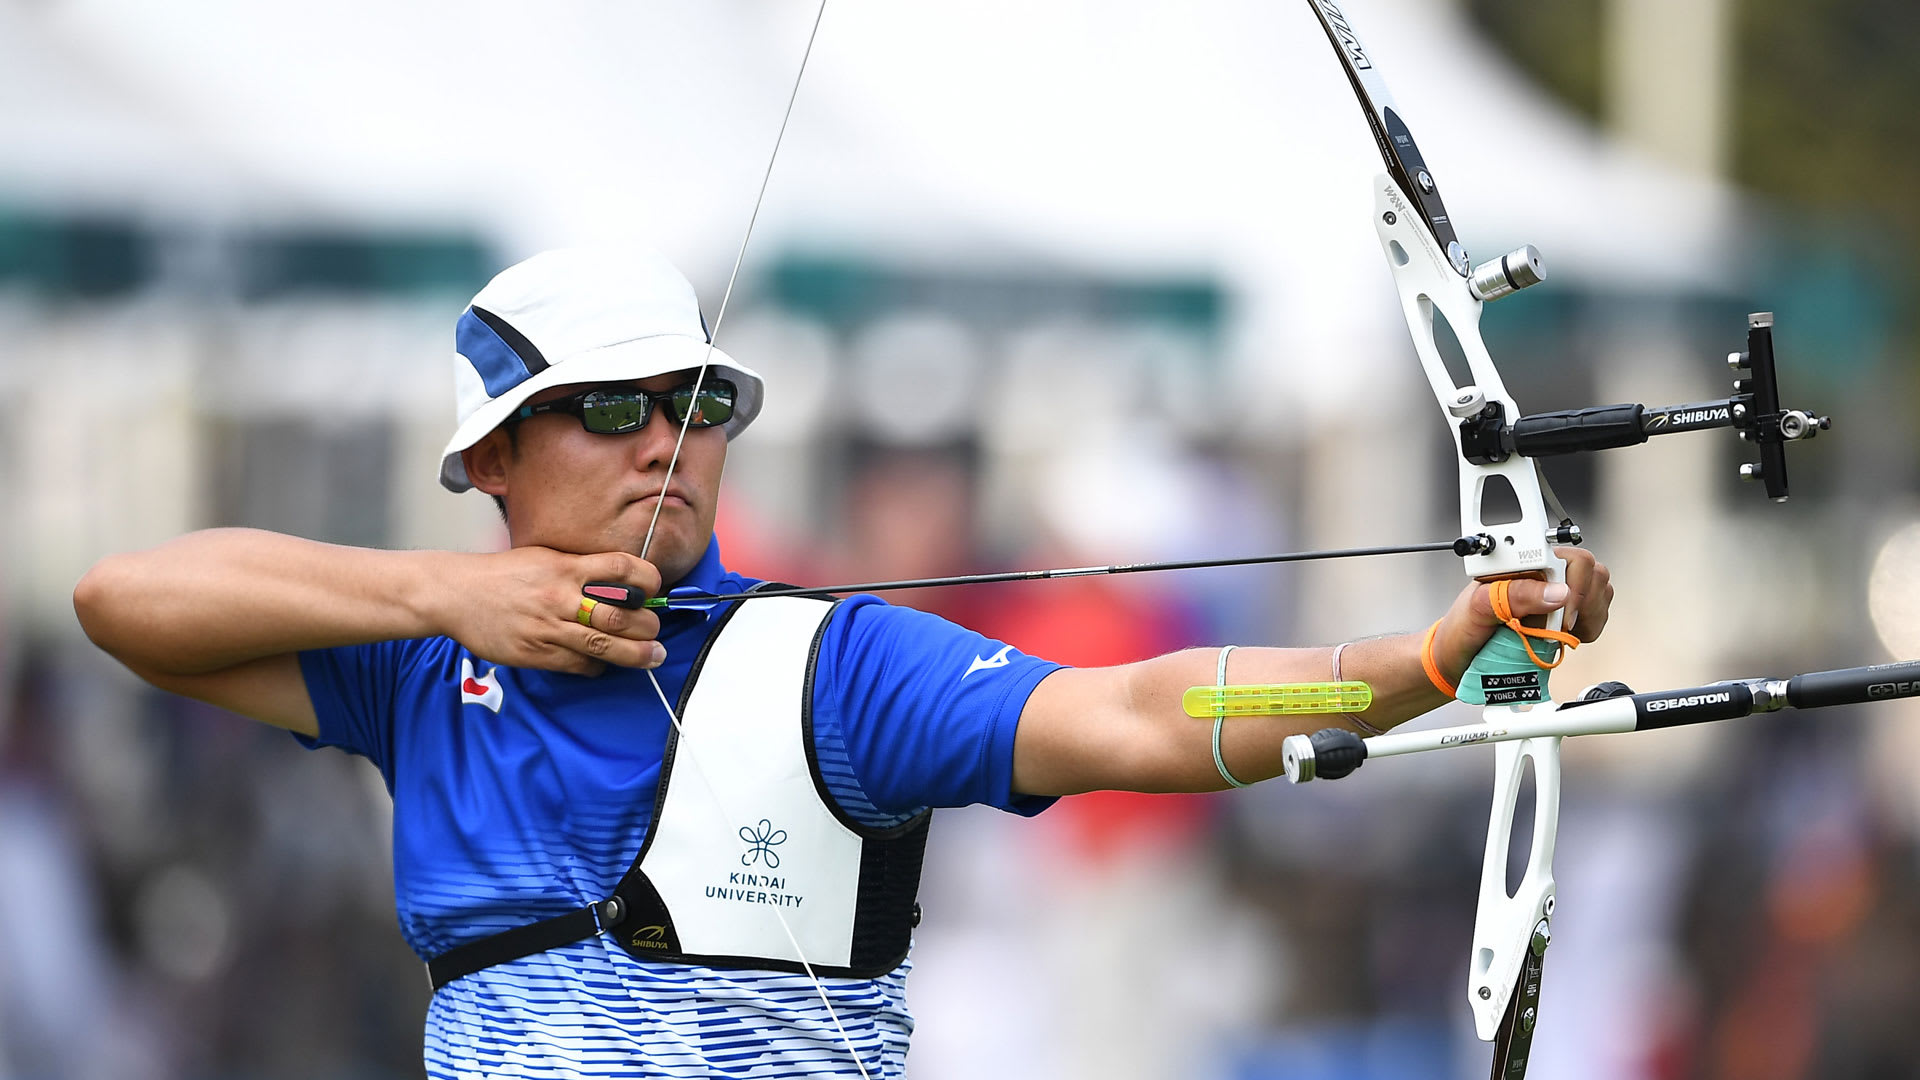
point(1753, 409)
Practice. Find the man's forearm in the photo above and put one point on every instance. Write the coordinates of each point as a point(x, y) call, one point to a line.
point(1391, 666)
point(1124, 727)
point(209, 600)
point(1251, 746)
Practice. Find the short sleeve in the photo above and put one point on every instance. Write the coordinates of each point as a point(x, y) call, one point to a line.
point(926, 710)
point(353, 689)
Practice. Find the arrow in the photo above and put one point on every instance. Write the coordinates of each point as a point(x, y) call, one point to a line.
point(628, 596)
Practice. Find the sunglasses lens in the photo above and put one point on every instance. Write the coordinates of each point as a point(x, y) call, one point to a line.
point(611, 414)
point(714, 407)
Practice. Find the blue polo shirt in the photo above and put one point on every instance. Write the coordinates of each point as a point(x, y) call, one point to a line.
point(521, 794)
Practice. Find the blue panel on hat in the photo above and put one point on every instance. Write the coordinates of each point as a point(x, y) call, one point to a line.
point(501, 369)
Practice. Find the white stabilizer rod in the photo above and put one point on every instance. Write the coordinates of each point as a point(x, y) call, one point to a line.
point(1610, 717)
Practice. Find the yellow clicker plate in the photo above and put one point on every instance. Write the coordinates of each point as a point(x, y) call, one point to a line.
point(1276, 699)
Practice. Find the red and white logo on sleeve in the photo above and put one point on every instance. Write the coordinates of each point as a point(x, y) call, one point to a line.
point(481, 689)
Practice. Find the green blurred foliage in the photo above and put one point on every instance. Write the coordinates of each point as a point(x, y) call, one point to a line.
point(1826, 92)
point(1558, 43)
point(1824, 117)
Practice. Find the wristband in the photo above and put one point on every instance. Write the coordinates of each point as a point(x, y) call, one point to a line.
point(1219, 720)
point(1433, 669)
point(1352, 718)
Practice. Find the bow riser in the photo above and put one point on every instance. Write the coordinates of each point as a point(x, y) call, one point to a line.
point(1427, 283)
point(1506, 925)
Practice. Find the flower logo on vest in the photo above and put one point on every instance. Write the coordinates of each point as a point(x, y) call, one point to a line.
point(760, 844)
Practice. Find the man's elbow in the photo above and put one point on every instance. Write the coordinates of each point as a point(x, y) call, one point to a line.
point(100, 603)
point(91, 598)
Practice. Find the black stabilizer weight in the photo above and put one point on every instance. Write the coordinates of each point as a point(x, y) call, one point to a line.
point(1848, 686)
point(1337, 752)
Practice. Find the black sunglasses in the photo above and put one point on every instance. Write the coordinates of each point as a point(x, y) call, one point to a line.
point(617, 412)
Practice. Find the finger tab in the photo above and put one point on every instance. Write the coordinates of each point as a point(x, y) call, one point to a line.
point(619, 595)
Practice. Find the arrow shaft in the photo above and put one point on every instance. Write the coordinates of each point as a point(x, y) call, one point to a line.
point(1050, 574)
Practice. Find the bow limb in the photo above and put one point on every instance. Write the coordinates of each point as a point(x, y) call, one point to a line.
point(1434, 279)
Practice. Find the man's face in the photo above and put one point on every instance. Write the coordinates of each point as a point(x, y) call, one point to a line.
point(572, 490)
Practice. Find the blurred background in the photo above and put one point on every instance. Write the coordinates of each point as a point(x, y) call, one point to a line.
point(1034, 284)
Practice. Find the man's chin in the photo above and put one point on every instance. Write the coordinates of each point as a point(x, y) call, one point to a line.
point(674, 552)
point(675, 519)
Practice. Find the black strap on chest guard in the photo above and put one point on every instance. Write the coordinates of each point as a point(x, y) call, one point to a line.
point(637, 920)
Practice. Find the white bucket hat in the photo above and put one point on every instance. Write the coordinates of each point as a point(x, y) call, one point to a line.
point(579, 315)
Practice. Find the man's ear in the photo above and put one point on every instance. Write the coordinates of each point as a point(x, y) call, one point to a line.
point(486, 462)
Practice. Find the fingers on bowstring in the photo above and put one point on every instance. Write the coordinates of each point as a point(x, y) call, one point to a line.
point(608, 648)
point(638, 624)
point(564, 658)
point(621, 568)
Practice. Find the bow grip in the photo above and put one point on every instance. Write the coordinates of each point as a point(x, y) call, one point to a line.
point(1502, 672)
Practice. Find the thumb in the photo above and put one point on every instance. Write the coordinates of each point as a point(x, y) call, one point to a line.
point(1531, 597)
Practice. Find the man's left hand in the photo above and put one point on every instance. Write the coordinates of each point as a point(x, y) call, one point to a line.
point(1585, 597)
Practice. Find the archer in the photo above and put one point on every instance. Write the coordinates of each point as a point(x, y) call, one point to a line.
point(580, 789)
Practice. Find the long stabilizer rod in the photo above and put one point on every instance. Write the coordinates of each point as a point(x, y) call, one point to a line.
point(1334, 752)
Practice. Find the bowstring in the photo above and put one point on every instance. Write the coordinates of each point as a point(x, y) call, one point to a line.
point(699, 379)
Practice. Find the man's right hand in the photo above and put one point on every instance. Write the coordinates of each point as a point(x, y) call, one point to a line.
point(221, 615)
point(521, 607)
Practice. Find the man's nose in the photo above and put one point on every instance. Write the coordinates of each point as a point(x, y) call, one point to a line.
point(653, 444)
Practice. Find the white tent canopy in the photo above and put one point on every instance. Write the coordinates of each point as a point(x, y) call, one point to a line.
point(79, 138)
point(1217, 132)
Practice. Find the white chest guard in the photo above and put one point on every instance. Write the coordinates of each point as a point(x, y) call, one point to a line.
point(742, 823)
